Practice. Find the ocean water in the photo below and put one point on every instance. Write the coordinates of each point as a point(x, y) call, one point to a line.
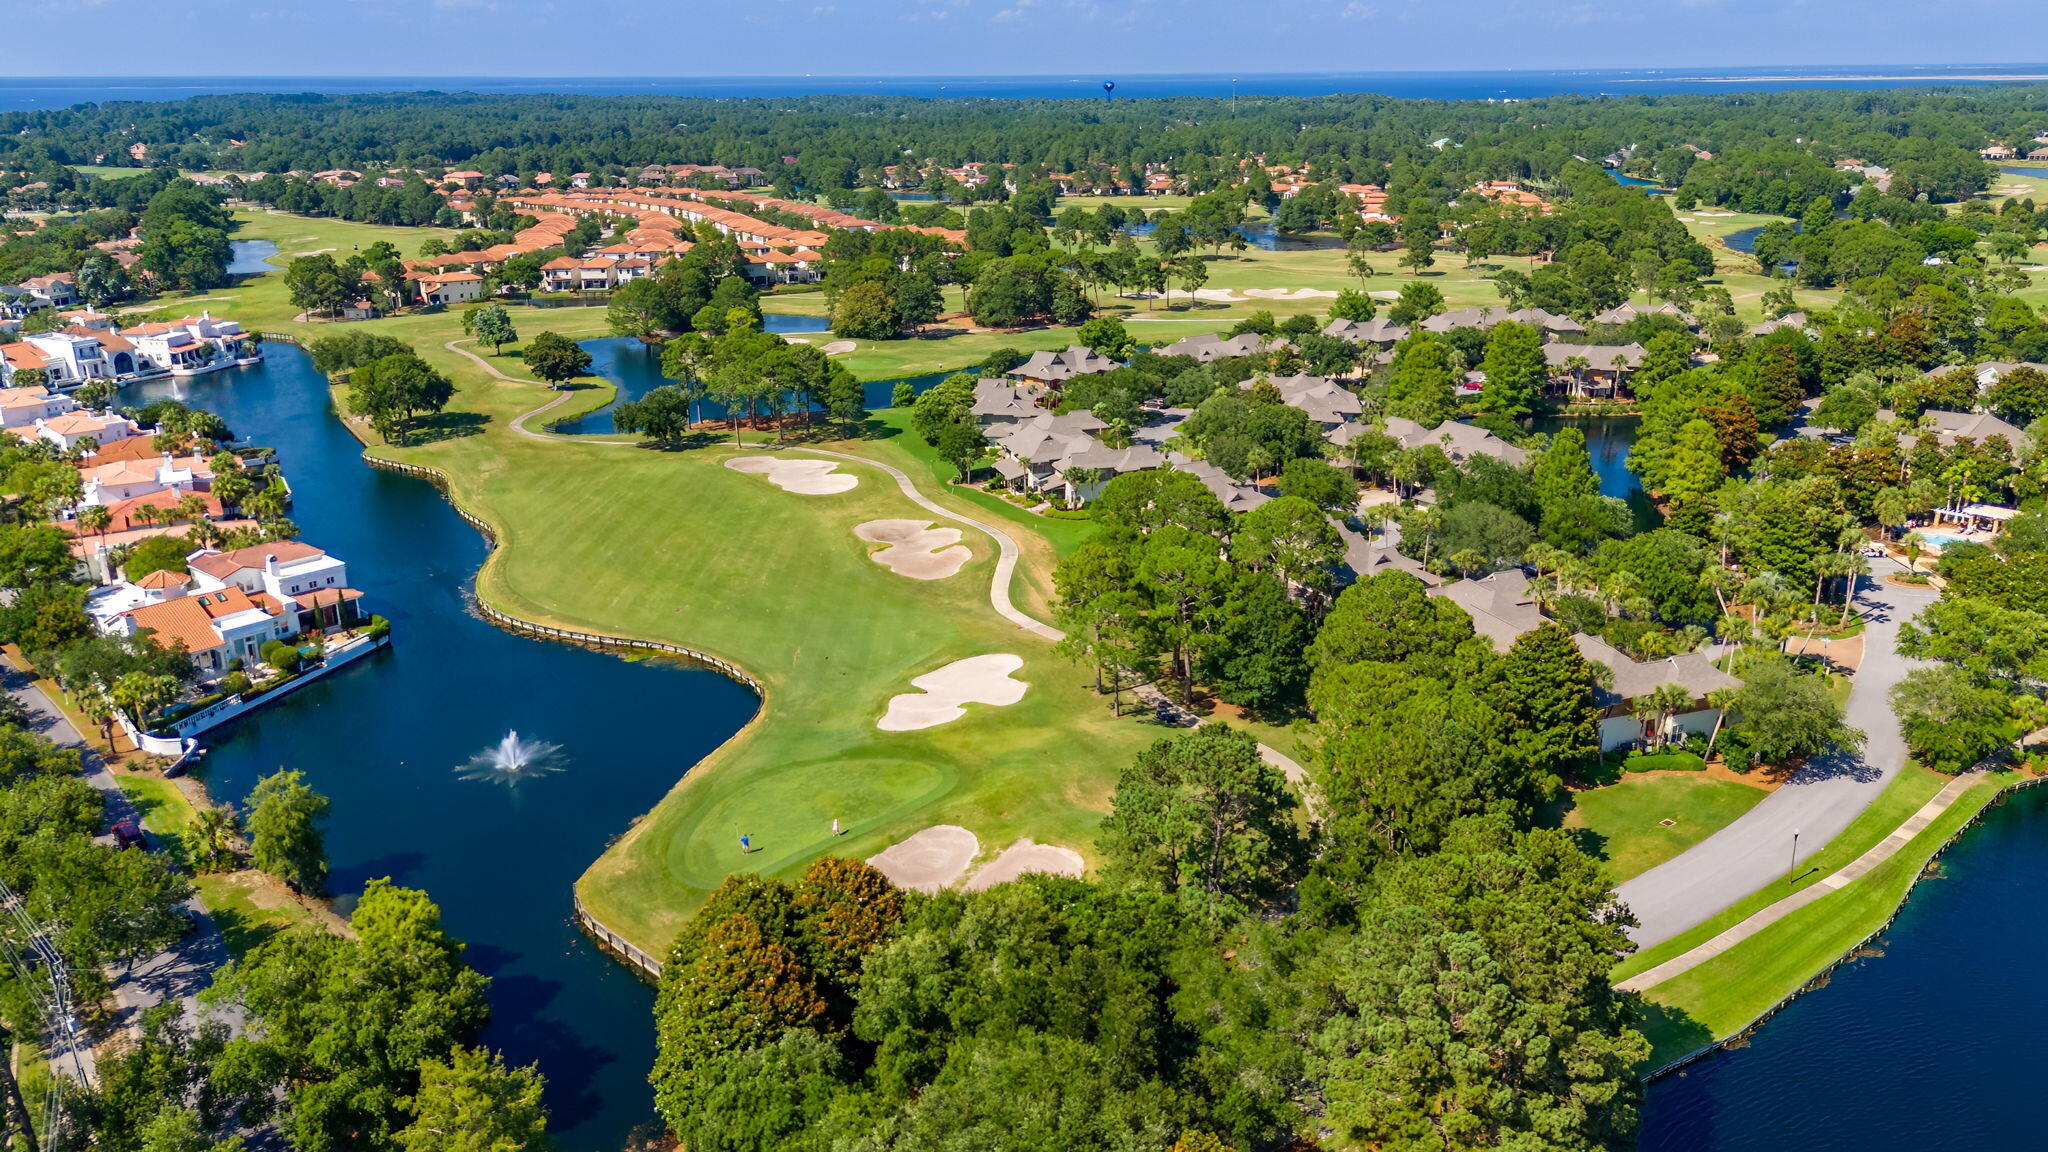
point(1517, 84)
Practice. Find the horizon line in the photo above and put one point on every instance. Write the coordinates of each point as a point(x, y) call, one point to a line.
point(898, 77)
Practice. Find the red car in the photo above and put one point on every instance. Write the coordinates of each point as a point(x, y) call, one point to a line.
point(128, 834)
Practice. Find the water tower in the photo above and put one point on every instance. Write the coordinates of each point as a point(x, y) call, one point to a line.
point(1108, 90)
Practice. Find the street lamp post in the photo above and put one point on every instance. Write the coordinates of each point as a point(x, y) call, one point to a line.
point(1795, 857)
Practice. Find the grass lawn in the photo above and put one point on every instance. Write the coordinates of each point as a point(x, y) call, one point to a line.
point(1622, 825)
point(165, 812)
point(1723, 995)
point(248, 908)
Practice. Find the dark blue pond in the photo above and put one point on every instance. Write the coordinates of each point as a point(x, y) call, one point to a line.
point(636, 369)
point(1607, 442)
point(383, 739)
point(1650, 186)
point(1924, 1046)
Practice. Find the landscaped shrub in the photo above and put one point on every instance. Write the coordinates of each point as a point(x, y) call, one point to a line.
point(1667, 760)
point(378, 626)
point(282, 656)
point(1735, 754)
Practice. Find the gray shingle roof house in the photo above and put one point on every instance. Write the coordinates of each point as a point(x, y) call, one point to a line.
point(1502, 609)
point(1460, 442)
point(1054, 368)
point(1236, 497)
point(1788, 320)
point(1500, 605)
point(1991, 371)
point(1626, 311)
point(1208, 346)
point(1377, 330)
point(1048, 452)
point(1327, 402)
point(1546, 321)
point(1949, 427)
point(1486, 317)
point(1599, 357)
point(999, 401)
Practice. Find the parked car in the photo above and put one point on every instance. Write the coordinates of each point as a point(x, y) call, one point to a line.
point(128, 834)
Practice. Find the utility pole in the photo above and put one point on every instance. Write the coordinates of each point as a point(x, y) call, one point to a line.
point(1794, 865)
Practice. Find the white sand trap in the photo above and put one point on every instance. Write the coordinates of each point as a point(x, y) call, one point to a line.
point(975, 680)
point(915, 548)
point(1023, 857)
point(1291, 293)
point(838, 346)
point(805, 477)
point(929, 860)
point(1385, 294)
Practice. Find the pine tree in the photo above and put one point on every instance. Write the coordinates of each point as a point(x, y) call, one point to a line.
point(1695, 465)
point(1547, 685)
point(1513, 367)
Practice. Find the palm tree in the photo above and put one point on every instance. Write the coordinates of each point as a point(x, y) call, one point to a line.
point(96, 708)
point(216, 833)
point(1657, 707)
point(1855, 567)
point(95, 519)
point(1913, 545)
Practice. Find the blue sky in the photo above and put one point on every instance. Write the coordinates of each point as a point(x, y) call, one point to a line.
point(1016, 37)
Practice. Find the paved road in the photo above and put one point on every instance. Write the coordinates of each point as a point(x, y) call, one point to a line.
point(180, 971)
point(1820, 801)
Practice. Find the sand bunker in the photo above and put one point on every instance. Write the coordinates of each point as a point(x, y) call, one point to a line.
point(929, 860)
point(1023, 857)
point(807, 477)
point(915, 548)
point(975, 680)
point(838, 346)
point(1291, 293)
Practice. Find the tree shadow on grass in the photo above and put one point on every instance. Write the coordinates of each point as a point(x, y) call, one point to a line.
point(444, 426)
point(1672, 1032)
point(701, 438)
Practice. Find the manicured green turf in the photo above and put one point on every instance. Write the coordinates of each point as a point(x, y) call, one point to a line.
point(1911, 788)
point(1622, 824)
point(247, 910)
point(1724, 994)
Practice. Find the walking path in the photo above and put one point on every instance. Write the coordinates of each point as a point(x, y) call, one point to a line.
point(178, 972)
point(1818, 803)
point(1765, 917)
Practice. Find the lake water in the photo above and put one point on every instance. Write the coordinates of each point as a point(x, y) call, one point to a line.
point(1507, 84)
point(383, 738)
point(1607, 442)
point(1922, 1047)
point(248, 257)
point(1650, 186)
point(1259, 235)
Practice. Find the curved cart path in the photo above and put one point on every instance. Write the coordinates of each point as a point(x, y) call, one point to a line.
point(1820, 801)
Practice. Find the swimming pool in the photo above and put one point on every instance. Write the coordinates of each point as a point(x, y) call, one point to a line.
point(1943, 539)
